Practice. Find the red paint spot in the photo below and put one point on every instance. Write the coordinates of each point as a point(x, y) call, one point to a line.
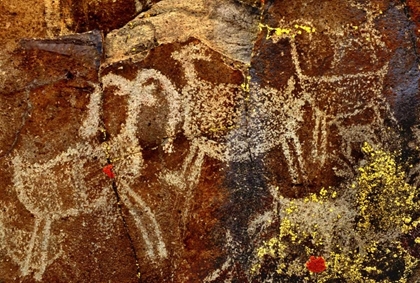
point(108, 171)
point(316, 264)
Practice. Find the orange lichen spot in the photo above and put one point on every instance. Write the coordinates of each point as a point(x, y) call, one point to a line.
point(316, 264)
point(108, 171)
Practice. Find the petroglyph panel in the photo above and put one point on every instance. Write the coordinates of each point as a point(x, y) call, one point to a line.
point(178, 126)
point(320, 106)
point(173, 156)
point(53, 179)
point(319, 87)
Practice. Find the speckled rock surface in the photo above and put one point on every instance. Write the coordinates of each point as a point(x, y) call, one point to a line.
point(209, 141)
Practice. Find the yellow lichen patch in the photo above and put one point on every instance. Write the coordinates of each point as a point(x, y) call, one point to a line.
point(379, 203)
point(308, 29)
point(282, 31)
point(245, 84)
point(384, 199)
point(294, 237)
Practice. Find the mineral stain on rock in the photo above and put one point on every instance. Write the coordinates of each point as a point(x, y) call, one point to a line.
point(211, 141)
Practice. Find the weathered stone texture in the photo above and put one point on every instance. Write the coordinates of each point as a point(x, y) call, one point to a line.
point(225, 26)
point(177, 128)
point(56, 200)
point(316, 85)
point(209, 141)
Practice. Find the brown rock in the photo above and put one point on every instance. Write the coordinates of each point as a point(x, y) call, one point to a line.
point(106, 15)
point(60, 212)
point(312, 73)
point(168, 152)
point(219, 123)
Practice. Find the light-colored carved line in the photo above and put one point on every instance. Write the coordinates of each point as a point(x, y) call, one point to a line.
point(160, 245)
point(22, 174)
point(143, 230)
point(39, 241)
point(290, 143)
point(320, 136)
point(44, 244)
point(216, 273)
point(330, 78)
point(91, 123)
point(196, 168)
point(234, 249)
point(137, 98)
point(194, 165)
point(53, 18)
point(188, 159)
point(27, 264)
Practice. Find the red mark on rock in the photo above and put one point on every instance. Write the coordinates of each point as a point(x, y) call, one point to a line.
point(316, 264)
point(108, 171)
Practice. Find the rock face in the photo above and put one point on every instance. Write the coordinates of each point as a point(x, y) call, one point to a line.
point(210, 141)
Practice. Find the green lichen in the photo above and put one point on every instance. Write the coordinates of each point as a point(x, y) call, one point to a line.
point(356, 232)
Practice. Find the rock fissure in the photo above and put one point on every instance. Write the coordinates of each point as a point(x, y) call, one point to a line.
point(235, 129)
point(105, 148)
point(126, 228)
